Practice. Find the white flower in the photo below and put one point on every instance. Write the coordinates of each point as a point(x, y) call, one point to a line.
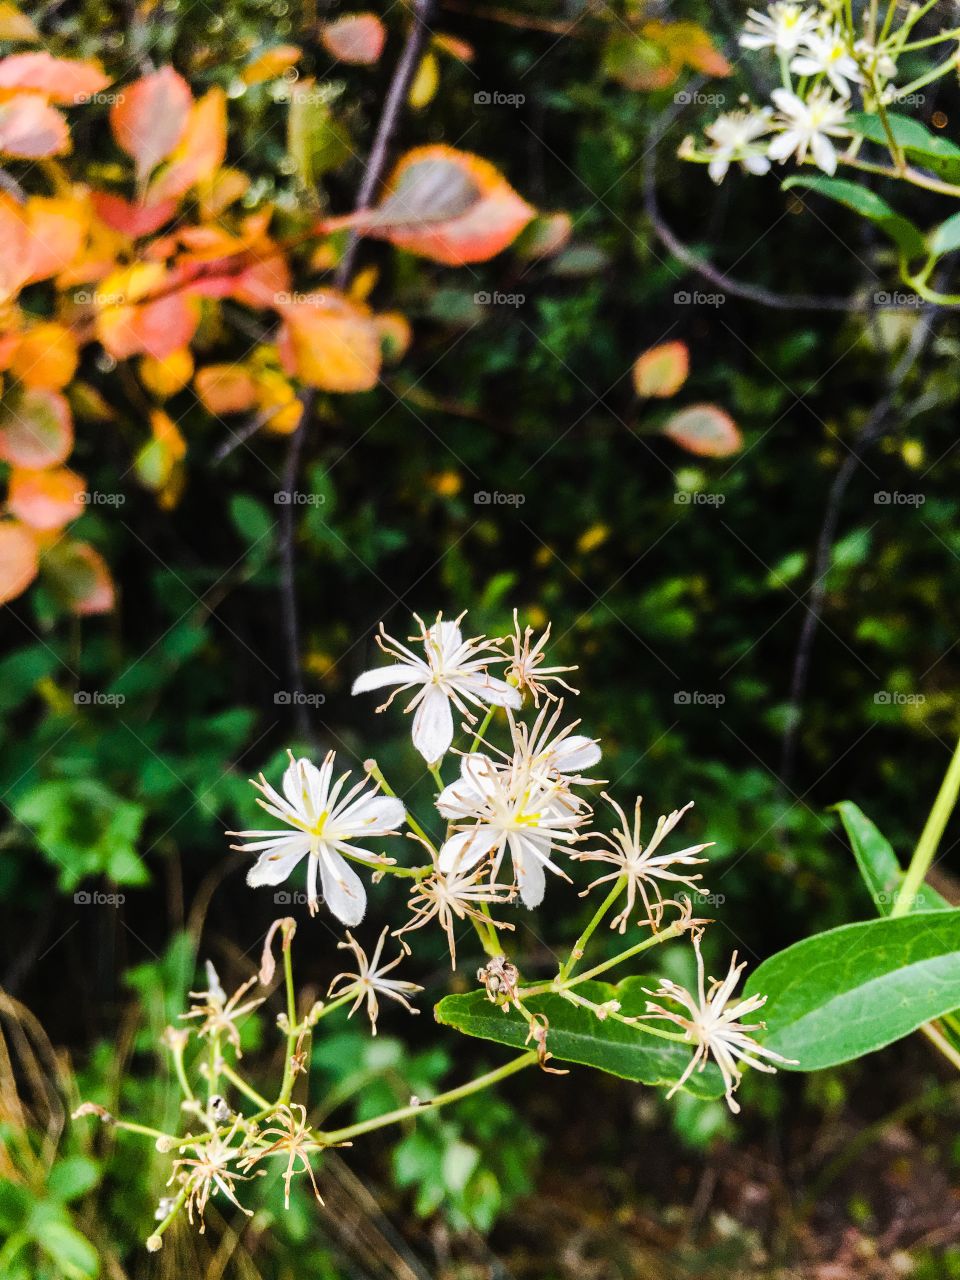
point(641, 868)
point(782, 27)
point(808, 126)
point(541, 752)
point(454, 671)
point(714, 1028)
point(733, 137)
point(218, 1013)
point(369, 980)
point(526, 658)
point(530, 816)
point(826, 53)
point(325, 826)
point(452, 896)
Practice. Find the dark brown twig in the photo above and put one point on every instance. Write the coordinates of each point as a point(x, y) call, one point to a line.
point(403, 74)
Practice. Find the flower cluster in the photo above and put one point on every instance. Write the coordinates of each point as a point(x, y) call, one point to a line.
point(822, 62)
point(515, 807)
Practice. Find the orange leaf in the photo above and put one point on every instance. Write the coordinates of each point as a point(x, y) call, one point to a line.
point(127, 327)
point(56, 233)
point(18, 559)
point(79, 578)
point(330, 342)
point(156, 461)
point(705, 430)
point(662, 370)
point(225, 388)
point(30, 128)
point(46, 499)
point(14, 248)
point(46, 357)
point(271, 63)
point(167, 376)
point(356, 38)
point(15, 25)
point(133, 220)
point(444, 204)
point(148, 118)
point(456, 47)
point(36, 430)
point(200, 152)
point(62, 80)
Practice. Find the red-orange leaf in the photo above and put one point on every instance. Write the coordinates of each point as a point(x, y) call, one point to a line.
point(271, 63)
point(79, 578)
point(130, 219)
point(56, 233)
point(14, 248)
point(444, 204)
point(330, 342)
point(149, 118)
point(46, 357)
point(662, 370)
point(128, 327)
point(705, 430)
point(36, 430)
point(225, 388)
point(30, 128)
point(63, 80)
point(200, 152)
point(45, 499)
point(357, 38)
point(18, 559)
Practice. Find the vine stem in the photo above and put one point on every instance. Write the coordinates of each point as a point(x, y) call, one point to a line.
point(929, 840)
point(335, 1136)
point(558, 985)
point(288, 1074)
point(580, 946)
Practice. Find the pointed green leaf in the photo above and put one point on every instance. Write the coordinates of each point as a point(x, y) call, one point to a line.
point(928, 149)
point(946, 237)
point(840, 994)
point(867, 204)
point(577, 1035)
point(878, 863)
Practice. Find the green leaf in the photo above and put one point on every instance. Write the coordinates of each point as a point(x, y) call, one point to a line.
point(938, 154)
point(878, 863)
point(908, 238)
point(946, 237)
point(72, 1177)
point(840, 994)
point(72, 1252)
point(577, 1035)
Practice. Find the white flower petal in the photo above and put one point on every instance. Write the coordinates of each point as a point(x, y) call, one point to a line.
point(370, 816)
point(433, 725)
point(465, 849)
point(274, 866)
point(343, 890)
point(397, 673)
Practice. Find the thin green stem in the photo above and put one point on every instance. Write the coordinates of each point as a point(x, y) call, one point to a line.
point(292, 1028)
point(602, 1013)
point(929, 840)
point(580, 946)
point(334, 1136)
point(376, 773)
point(242, 1086)
point(144, 1130)
point(435, 774)
point(673, 931)
point(482, 731)
point(177, 1051)
point(177, 1206)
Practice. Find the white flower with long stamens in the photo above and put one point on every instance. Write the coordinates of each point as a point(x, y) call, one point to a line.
point(326, 826)
point(541, 751)
point(714, 1026)
point(453, 673)
point(808, 126)
point(288, 1135)
point(733, 139)
point(643, 868)
point(526, 670)
point(511, 810)
point(209, 1171)
point(452, 896)
point(370, 981)
point(218, 1013)
point(825, 53)
point(781, 28)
